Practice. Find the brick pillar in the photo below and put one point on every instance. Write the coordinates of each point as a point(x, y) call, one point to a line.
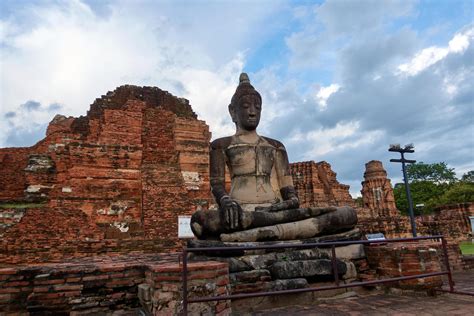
point(396, 260)
point(377, 192)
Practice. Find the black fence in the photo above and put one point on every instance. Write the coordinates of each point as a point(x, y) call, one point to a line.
point(337, 284)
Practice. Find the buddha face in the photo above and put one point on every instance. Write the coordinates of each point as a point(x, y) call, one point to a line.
point(247, 112)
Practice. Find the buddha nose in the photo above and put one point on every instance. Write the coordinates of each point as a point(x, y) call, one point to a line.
point(252, 111)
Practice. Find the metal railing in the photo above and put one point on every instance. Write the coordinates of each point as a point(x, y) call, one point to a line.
point(337, 285)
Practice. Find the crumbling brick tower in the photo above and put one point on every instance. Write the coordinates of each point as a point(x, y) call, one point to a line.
point(316, 185)
point(125, 171)
point(377, 192)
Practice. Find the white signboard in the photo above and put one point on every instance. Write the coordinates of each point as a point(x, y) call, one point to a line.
point(472, 223)
point(184, 227)
point(377, 236)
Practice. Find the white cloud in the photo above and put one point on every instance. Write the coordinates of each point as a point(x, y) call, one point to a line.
point(324, 93)
point(64, 52)
point(431, 55)
point(210, 92)
point(70, 55)
point(343, 136)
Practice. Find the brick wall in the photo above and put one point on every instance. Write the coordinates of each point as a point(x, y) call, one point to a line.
point(13, 162)
point(452, 221)
point(316, 185)
point(104, 285)
point(407, 259)
point(126, 170)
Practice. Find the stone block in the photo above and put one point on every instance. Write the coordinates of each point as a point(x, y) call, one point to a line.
point(250, 276)
point(308, 268)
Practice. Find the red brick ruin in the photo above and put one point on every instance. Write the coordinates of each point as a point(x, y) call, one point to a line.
point(316, 185)
point(377, 192)
point(116, 180)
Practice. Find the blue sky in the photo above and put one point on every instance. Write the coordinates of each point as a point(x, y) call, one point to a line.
point(340, 80)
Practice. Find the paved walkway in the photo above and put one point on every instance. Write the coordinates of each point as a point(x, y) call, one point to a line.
point(383, 304)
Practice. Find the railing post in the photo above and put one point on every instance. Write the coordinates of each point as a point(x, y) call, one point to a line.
point(334, 264)
point(185, 281)
point(337, 285)
point(446, 262)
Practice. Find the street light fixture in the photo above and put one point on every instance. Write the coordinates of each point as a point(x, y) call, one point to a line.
point(409, 148)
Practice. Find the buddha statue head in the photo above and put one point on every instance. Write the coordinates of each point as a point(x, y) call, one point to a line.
point(246, 105)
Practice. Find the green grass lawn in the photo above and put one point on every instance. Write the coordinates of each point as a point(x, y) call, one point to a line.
point(467, 248)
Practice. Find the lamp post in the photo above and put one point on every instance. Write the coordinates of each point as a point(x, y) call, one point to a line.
point(407, 149)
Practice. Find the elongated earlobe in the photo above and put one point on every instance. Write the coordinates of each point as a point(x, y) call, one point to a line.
point(232, 113)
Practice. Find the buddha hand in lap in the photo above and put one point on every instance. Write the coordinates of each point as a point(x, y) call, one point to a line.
point(262, 203)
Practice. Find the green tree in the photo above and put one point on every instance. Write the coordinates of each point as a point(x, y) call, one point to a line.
point(424, 193)
point(468, 176)
point(460, 192)
point(435, 172)
point(429, 184)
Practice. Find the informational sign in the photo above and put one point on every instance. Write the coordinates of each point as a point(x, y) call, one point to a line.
point(377, 236)
point(184, 227)
point(472, 224)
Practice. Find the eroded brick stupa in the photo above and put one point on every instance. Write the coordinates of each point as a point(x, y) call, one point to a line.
point(115, 179)
point(377, 192)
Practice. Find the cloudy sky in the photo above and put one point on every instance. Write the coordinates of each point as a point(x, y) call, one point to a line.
point(340, 80)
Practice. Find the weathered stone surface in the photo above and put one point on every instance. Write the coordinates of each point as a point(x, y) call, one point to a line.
point(353, 234)
point(348, 252)
point(235, 264)
point(288, 284)
point(212, 224)
point(343, 219)
point(40, 163)
point(264, 261)
point(250, 276)
point(305, 268)
point(351, 272)
point(261, 286)
point(9, 218)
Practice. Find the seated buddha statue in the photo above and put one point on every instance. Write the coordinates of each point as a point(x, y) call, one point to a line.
point(262, 203)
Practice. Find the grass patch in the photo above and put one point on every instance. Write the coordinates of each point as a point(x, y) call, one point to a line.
point(21, 205)
point(467, 248)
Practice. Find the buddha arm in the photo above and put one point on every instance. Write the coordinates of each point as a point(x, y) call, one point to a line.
point(229, 209)
point(217, 169)
point(285, 180)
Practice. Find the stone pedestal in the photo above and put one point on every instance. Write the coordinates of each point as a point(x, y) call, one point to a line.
point(284, 269)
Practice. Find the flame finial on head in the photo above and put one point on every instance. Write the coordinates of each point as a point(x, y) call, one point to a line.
point(244, 78)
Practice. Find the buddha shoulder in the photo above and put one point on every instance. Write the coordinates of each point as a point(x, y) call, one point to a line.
point(221, 143)
point(275, 143)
